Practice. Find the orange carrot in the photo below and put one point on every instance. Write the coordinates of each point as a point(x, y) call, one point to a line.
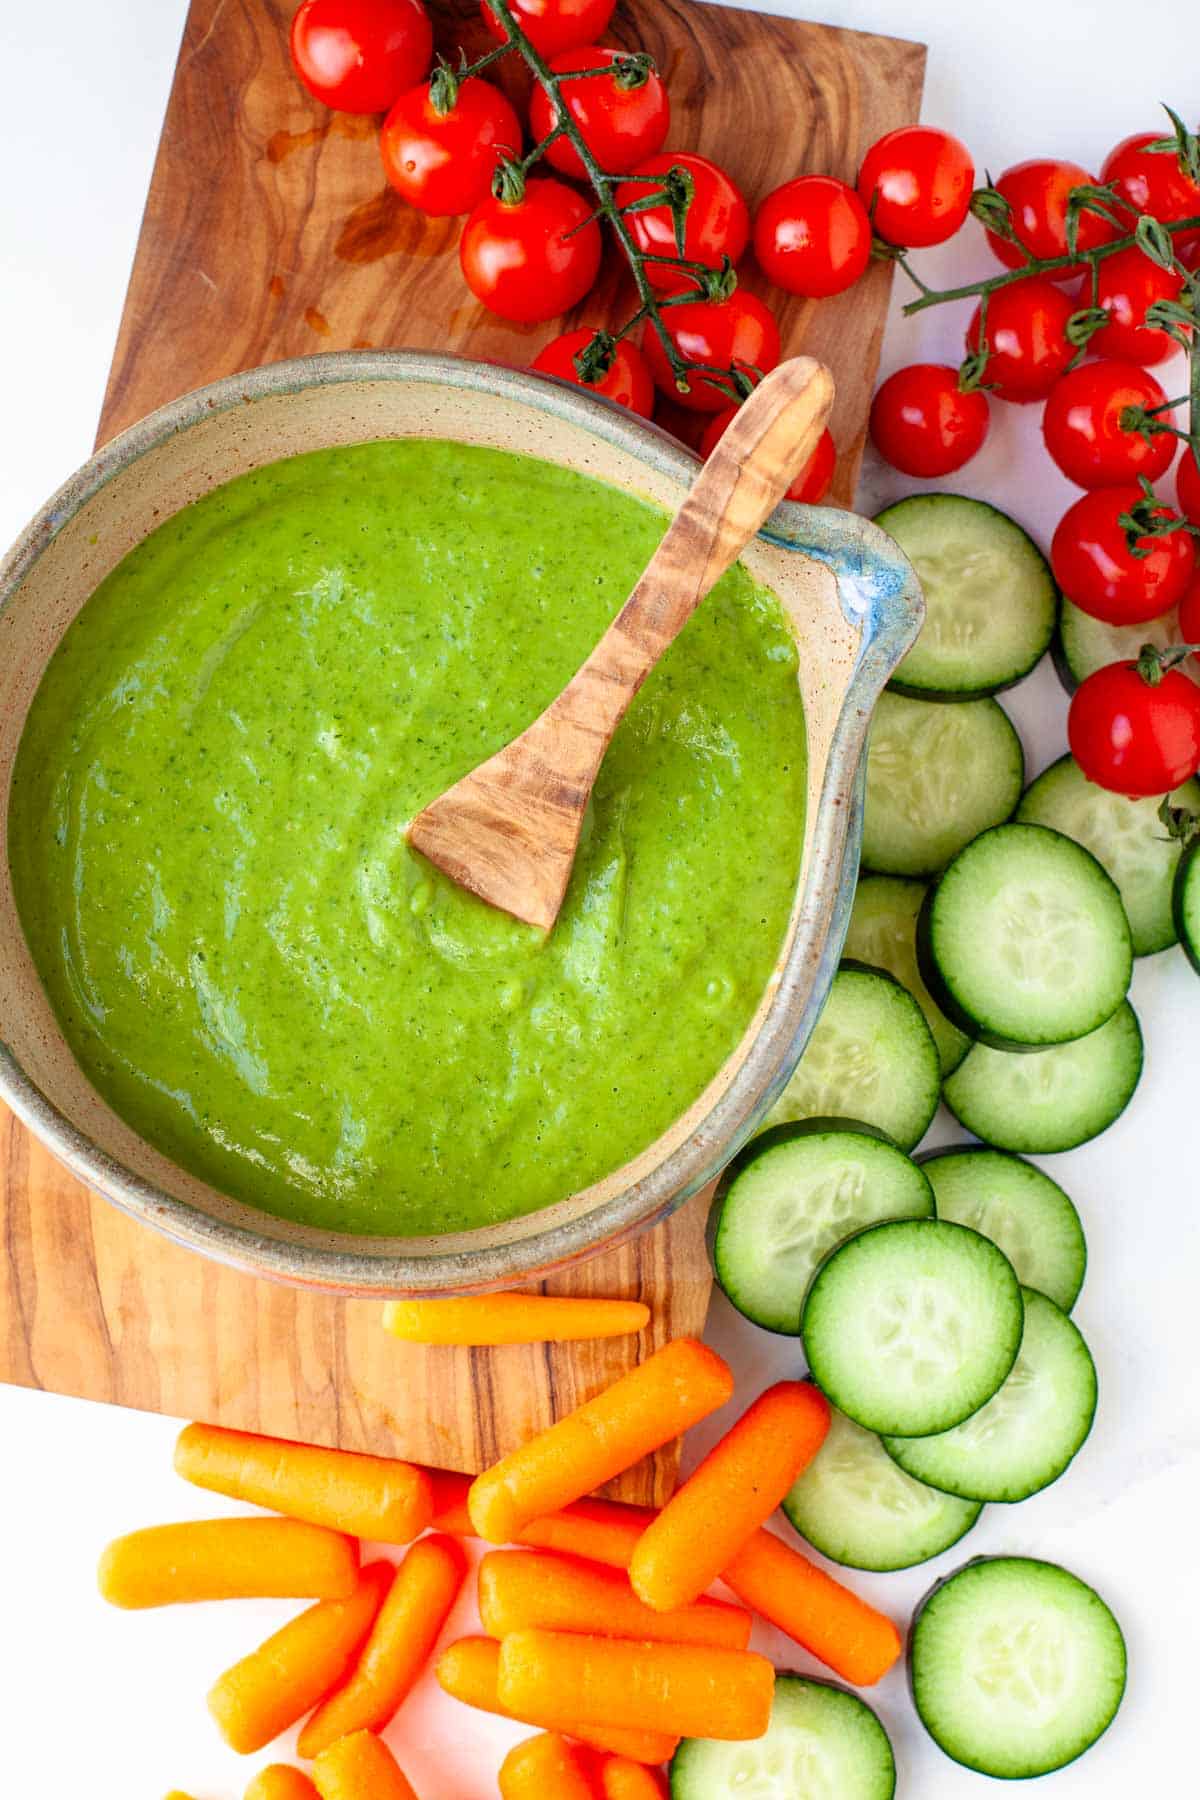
point(368, 1496)
point(400, 1643)
point(281, 1782)
point(275, 1685)
point(556, 1677)
point(829, 1621)
point(520, 1588)
point(671, 1390)
point(469, 1671)
point(360, 1767)
point(620, 1779)
point(450, 1490)
point(604, 1531)
point(513, 1319)
point(738, 1485)
point(228, 1559)
point(546, 1768)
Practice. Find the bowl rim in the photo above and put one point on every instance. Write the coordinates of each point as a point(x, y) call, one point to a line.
point(878, 591)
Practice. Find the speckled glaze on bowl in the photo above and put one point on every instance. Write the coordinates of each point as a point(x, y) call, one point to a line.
point(855, 607)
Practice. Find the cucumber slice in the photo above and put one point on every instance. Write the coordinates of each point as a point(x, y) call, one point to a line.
point(1024, 941)
point(871, 1057)
point(1083, 644)
point(910, 1327)
point(1016, 1666)
point(1186, 904)
point(936, 777)
point(1125, 836)
point(1028, 1432)
point(990, 599)
point(822, 1744)
point(883, 933)
point(790, 1197)
point(856, 1505)
point(1013, 1203)
point(1052, 1101)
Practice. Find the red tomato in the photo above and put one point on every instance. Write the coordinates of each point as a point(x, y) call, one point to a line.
point(1129, 283)
point(1189, 615)
point(811, 484)
point(1133, 736)
point(554, 25)
point(357, 55)
point(623, 121)
point(1154, 181)
point(812, 236)
point(1095, 567)
point(738, 333)
point(1187, 486)
point(532, 258)
point(443, 162)
point(627, 380)
point(1027, 333)
point(1037, 192)
point(916, 184)
point(1083, 425)
point(718, 221)
point(922, 422)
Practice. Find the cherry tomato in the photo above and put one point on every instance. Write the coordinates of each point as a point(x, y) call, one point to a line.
point(1187, 486)
point(1128, 284)
point(623, 120)
point(922, 422)
point(916, 184)
point(718, 220)
point(357, 55)
point(812, 236)
point(736, 333)
point(1084, 430)
point(1027, 333)
point(443, 161)
point(1095, 567)
point(1037, 192)
point(811, 484)
point(533, 258)
point(1189, 616)
point(1133, 736)
point(627, 380)
point(554, 25)
point(1154, 181)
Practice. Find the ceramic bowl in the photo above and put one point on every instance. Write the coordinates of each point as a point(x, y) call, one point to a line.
point(854, 605)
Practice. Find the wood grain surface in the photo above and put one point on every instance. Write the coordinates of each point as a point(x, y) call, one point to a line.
point(269, 233)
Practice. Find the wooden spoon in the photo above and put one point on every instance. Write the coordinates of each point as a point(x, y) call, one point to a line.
point(509, 830)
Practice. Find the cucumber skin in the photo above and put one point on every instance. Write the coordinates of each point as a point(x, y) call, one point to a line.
point(782, 1676)
point(909, 1658)
point(929, 1156)
point(1186, 874)
point(931, 974)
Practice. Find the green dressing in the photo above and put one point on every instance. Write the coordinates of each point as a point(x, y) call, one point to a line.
point(207, 839)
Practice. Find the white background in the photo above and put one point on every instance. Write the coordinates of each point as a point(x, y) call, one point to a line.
point(110, 1704)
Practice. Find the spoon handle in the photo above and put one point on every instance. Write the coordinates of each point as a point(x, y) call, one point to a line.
point(766, 444)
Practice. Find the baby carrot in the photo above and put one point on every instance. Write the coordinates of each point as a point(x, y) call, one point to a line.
point(281, 1782)
point(228, 1559)
point(469, 1670)
point(556, 1677)
point(360, 1767)
point(450, 1490)
point(680, 1384)
point(399, 1645)
point(368, 1496)
point(546, 1768)
point(829, 1621)
point(275, 1685)
point(620, 1779)
point(519, 1588)
point(738, 1485)
point(513, 1319)
point(604, 1531)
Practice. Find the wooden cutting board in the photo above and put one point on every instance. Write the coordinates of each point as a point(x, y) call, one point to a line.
point(269, 232)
